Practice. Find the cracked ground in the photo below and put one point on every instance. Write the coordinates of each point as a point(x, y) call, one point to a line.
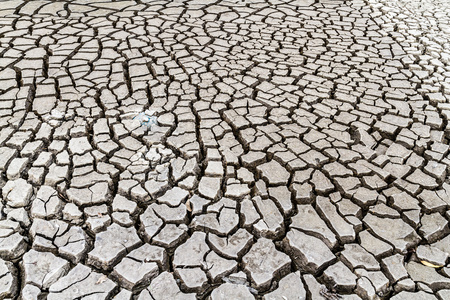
point(192, 149)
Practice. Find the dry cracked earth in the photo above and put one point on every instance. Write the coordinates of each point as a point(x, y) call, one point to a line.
point(193, 149)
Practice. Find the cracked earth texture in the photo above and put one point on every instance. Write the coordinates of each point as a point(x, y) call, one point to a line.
point(191, 149)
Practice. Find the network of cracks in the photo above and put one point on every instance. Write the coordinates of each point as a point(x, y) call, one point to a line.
point(257, 149)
